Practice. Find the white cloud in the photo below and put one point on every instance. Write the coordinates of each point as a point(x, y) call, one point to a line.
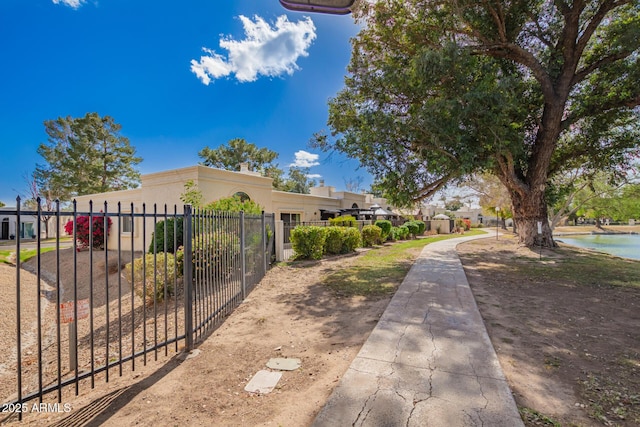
point(267, 51)
point(314, 176)
point(305, 160)
point(71, 3)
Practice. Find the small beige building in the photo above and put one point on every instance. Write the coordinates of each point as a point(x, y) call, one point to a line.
point(165, 188)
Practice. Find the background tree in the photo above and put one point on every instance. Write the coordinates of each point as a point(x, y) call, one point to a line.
point(453, 204)
point(521, 89)
point(86, 155)
point(2, 204)
point(601, 200)
point(235, 204)
point(42, 197)
point(491, 194)
point(297, 181)
point(260, 160)
point(573, 190)
point(353, 185)
point(191, 194)
point(238, 151)
point(629, 204)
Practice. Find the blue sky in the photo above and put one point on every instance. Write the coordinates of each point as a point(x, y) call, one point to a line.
point(178, 76)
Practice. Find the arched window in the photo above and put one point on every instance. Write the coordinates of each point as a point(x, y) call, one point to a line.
point(354, 206)
point(242, 195)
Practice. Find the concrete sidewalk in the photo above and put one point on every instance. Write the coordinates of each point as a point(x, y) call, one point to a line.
point(429, 361)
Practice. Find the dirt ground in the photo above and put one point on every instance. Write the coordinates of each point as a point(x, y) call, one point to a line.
point(570, 351)
point(290, 314)
point(559, 348)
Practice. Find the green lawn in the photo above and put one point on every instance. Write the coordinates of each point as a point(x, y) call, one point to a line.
point(25, 254)
point(380, 270)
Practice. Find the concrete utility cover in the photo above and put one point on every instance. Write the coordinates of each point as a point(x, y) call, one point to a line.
point(282, 364)
point(263, 382)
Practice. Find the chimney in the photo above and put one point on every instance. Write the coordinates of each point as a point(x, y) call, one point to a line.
point(244, 167)
point(322, 183)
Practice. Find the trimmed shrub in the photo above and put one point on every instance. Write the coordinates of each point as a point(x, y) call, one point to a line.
point(385, 225)
point(157, 238)
point(82, 230)
point(403, 232)
point(343, 221)
point(333, 240)
point(371, 235)
point(351, 239)
point(308, 241)
point(149, 277)
point(412, 227)
point(341, 240)
point(393, 234)
point(421, 227)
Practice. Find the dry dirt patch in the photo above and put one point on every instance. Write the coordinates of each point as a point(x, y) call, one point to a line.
point(289, 314)
point(569, 347)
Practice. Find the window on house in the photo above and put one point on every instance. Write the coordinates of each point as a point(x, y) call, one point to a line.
point(126, 224)
point(290, 217)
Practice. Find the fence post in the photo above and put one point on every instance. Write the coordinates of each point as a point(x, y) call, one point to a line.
point(264, 245)
point(188, 277)
point(279, 240)
point(243, 260)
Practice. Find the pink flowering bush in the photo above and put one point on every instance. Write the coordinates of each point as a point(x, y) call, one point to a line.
point(83, 229)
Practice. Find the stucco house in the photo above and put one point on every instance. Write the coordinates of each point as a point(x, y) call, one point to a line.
point(165, 187)
point(9, 228)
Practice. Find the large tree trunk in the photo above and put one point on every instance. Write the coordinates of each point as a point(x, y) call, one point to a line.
point(529, 209)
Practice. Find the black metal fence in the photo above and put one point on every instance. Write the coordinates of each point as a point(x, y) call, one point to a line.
point(86, 307)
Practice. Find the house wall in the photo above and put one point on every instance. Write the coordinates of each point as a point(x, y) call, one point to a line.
point(9, 226)
point(166, 187)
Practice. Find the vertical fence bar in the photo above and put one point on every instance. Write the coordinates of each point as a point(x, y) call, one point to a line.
point(106, 281)
point(197, 264)
point(39, 303)
point(155, 281)
point(263, 245)
point(175, 271)
point(119, 216)
point(243, 261)
point(144, 284)
point(133, 285)
point(59, 298)
point(91, 302)
point(165, 289)
point(73, 331)
point(207, 269)
point(18, 303)
point(188, 279)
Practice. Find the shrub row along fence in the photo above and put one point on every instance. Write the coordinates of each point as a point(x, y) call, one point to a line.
point(125, 288)
point(288, 226)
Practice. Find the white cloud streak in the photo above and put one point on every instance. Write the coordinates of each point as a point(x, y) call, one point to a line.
point(74, 4)
point(314, 176)
point(304, 159)
point(265, 51)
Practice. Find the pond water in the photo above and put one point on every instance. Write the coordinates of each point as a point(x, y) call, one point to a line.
point(623, 245)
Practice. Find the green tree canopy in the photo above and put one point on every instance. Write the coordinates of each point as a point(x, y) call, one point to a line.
point(85, 155)
point(238, 151)
point(521, 89)
point(297, 181)
point(235, 204)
